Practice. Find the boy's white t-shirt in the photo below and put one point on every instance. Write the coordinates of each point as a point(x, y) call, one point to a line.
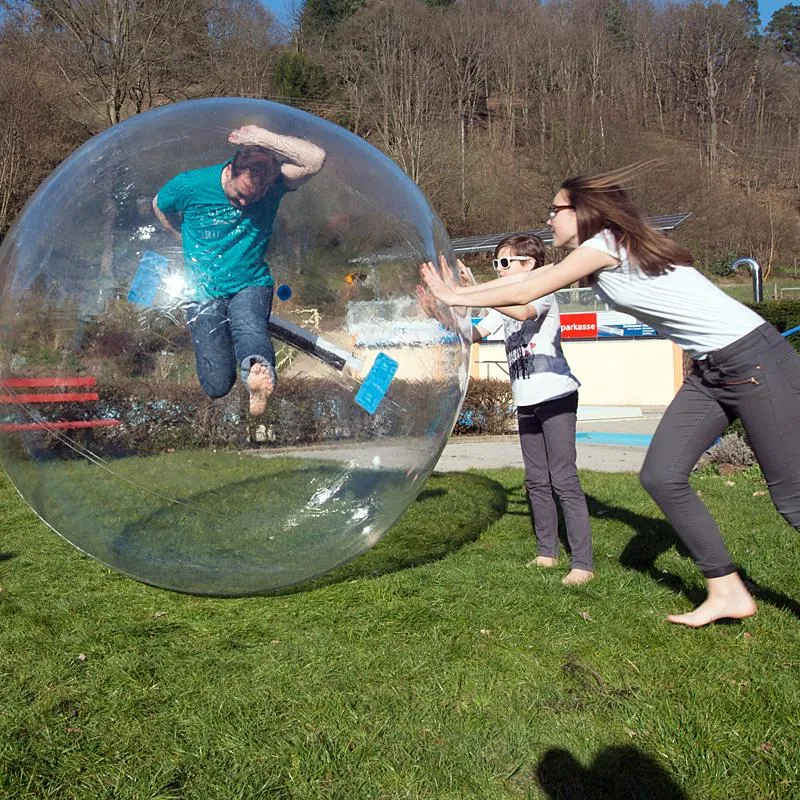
point(536, 363)
point(681, 304)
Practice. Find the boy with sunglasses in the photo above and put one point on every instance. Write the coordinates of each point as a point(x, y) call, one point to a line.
point(546, 395)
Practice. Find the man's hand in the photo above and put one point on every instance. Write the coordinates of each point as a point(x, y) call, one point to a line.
point(248, 135)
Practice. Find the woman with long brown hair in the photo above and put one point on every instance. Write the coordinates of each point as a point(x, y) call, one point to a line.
point(742, 367)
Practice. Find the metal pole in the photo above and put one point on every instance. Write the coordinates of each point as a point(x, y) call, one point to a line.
point(755, 270)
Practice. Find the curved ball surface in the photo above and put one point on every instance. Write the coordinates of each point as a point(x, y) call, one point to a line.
point(104, 428)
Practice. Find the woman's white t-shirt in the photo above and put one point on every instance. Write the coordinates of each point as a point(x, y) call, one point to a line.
point(681, 304)
point(536, 364)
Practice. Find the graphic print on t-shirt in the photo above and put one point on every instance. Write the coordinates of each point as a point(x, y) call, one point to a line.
point(519, 349)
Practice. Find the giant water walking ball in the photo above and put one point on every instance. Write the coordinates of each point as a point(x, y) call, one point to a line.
point(104, 428)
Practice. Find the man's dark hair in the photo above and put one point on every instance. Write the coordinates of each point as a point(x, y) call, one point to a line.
point(258, 161)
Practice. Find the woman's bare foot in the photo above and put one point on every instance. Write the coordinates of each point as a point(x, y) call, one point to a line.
point(260, 384)
point(728, 598)
point(575, 577)
point(543, 561)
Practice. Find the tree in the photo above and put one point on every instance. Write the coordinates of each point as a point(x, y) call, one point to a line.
point(748, 13)
point(297, 77)
point(35, 130)
point(322, 16)
point(784, 31)
point(711, 44)
point(119, 56)
point(242, 45)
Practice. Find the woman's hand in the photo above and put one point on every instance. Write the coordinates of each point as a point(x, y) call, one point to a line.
point(439, 282)
point(427, 302)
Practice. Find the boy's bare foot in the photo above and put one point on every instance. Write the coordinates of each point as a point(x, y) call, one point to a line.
point(543, 561)
point(576, 577)
point(728, 598)
point(260, 384)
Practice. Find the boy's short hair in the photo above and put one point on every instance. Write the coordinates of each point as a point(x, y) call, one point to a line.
point(524, 244)
point(261, 163)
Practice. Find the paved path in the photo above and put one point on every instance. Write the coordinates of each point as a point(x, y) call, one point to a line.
point(489, 452)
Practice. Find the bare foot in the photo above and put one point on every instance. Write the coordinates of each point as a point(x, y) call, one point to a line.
point(542, 561)
point(576, 577)
point(260, 384)
point(727, 599)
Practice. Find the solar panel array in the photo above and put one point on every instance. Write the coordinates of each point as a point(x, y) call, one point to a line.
point(479, 244)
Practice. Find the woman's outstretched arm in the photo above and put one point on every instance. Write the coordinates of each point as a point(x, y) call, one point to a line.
point(580, 263)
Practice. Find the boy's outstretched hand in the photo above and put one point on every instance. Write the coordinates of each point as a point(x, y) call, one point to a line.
point(465, 274)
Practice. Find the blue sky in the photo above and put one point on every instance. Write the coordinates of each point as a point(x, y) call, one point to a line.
point(280, 8)
point(766, 8)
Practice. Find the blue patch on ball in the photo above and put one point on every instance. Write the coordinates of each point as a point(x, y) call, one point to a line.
point(284, 291)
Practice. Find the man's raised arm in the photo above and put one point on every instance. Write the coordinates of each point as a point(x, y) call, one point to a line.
point(300, 158)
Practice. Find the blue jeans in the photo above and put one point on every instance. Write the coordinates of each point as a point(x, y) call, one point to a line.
point(230, 333)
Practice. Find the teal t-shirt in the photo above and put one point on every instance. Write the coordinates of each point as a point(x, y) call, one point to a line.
point(223, 246)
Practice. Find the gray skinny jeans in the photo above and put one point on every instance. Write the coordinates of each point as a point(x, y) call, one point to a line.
point(756, 379)
point(547, 437)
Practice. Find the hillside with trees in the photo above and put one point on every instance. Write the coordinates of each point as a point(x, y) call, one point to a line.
point(486, 104)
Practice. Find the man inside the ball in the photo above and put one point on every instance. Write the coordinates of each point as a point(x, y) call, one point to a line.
point(224, 215)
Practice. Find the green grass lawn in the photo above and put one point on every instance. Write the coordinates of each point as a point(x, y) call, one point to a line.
point(775, 288)
point(436, 666)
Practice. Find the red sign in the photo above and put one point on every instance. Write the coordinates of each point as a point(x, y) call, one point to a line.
point(579, 326)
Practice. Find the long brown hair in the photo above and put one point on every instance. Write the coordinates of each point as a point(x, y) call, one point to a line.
point(600, 203)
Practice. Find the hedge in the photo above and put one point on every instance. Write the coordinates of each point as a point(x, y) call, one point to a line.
point(783, 314)
point(158, 415)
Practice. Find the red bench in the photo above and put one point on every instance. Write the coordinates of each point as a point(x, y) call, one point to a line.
point(88, 385)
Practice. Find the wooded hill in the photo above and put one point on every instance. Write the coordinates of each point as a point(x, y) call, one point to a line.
point(487, 104)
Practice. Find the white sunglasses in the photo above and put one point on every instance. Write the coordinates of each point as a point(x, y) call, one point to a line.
point(505, 261)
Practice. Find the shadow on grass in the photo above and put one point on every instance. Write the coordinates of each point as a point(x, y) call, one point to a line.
point(617, 773)
point(228, 525)
point(7, 556)
point(452, 511)
point(770, 596)
point(655, 536)
point(652, 537)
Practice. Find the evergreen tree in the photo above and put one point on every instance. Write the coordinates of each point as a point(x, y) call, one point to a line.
point(784, 30)
point(298, 77)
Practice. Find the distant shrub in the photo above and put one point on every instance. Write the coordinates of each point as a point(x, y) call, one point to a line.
point(783, 314)
point(732, 449)
point(720, 267)
point(488, 408)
